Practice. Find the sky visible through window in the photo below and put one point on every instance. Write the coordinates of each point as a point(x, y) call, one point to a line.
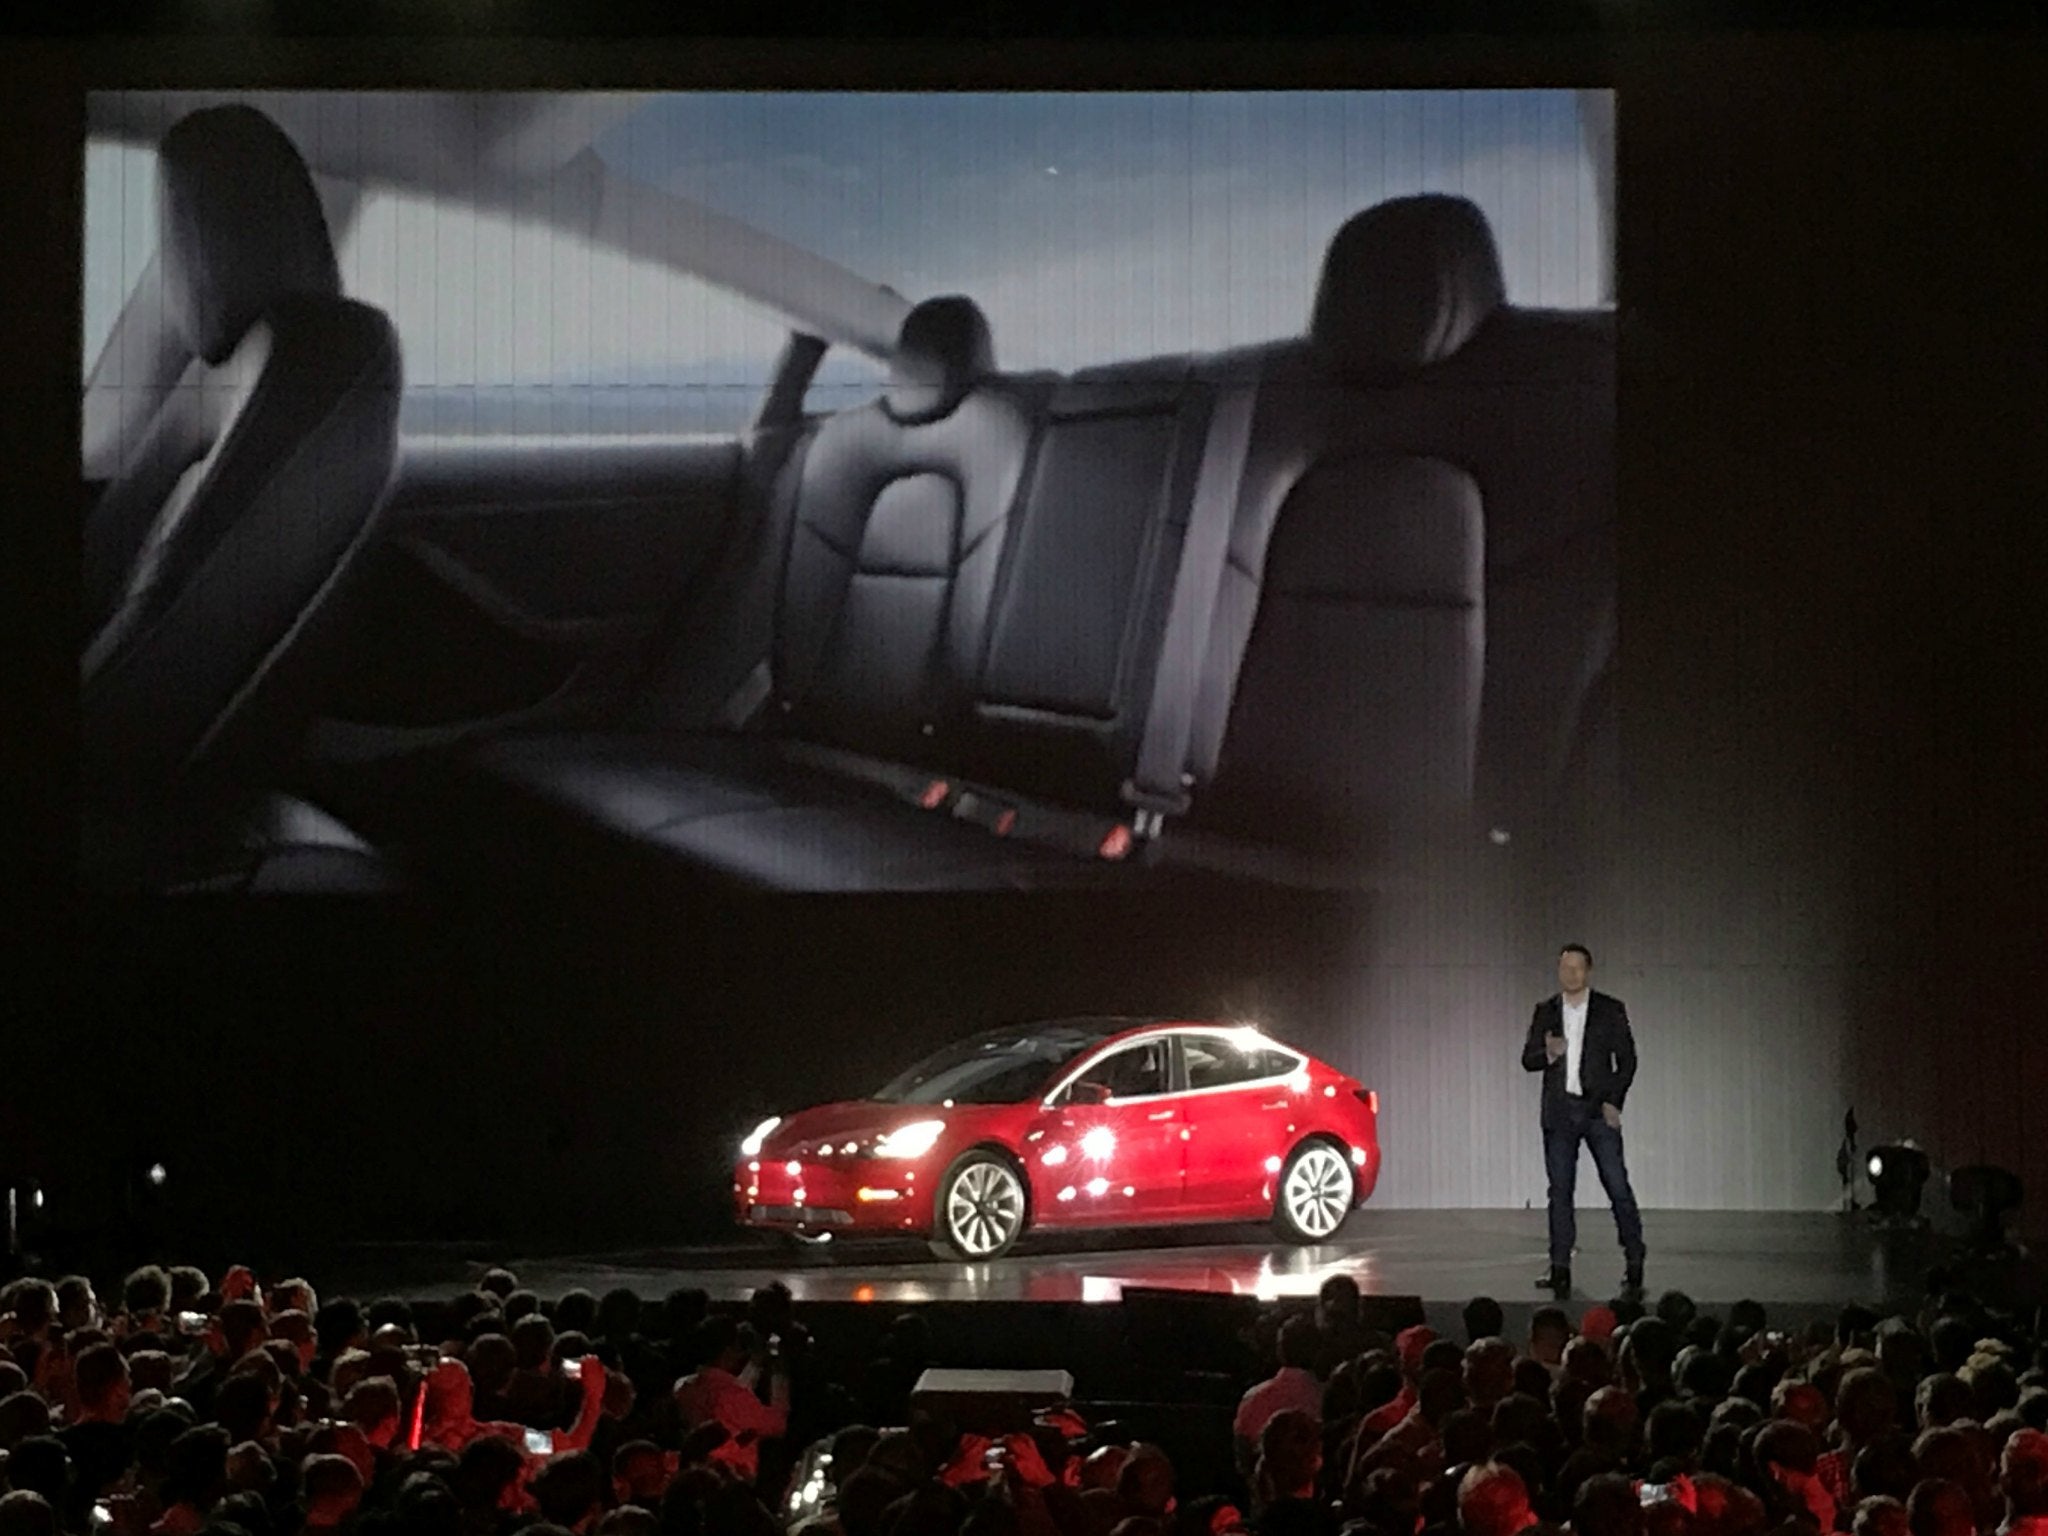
point(1090, 228)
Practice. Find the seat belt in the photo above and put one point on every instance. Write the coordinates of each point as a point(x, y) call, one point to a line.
point(997, 811)
point(1158, 786)
point(744, 705)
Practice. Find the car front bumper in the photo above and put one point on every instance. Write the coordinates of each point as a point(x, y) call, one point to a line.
point(811, 1195)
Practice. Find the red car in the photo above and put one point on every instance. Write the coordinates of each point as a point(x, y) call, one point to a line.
point(1074, 1123)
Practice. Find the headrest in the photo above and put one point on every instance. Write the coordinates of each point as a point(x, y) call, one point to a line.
point(241, 226)
point(1405, 284)
point(942, 351)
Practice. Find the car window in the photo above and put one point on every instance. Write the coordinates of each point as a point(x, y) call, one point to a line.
point(1215, 1061)
point(1091, 227)
point(120, 234)
point(1094, 227)
point(1135, 1071)
point(505, 327)
point(1000, 1067)
point(509, 326)
point(845, 378)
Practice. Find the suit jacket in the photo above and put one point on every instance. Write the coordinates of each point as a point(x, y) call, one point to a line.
point(1607, 1058)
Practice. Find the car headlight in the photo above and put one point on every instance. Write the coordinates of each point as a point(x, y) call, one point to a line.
point(751, 1147)
point(912, 1140)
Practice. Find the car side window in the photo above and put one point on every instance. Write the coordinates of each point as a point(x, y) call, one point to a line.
point(1135, 1071)
point(513, 328)
point(845, 379)
point(1214, 1062)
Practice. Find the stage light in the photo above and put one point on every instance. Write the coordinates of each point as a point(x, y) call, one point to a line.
point(24, 1211)
point(157, 1175)
point(1985, 1193)
point(1897, 1176)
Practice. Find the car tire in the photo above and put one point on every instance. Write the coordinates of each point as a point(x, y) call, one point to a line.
point(981, 1209)
point(1315, 1193)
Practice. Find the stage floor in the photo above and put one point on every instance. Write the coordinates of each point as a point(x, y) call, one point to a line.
point(1781, 1258)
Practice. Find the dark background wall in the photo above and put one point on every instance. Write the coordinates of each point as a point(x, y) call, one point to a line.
point(1821, 885)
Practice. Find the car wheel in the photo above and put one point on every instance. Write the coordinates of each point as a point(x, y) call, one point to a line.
point(1316, 1189)
point(980, 1209)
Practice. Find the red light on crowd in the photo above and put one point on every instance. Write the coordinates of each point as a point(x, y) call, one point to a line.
point(1116, 843)
point(934, 794)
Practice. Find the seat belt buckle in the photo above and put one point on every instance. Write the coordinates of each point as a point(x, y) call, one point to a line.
point(744, 705)
point(991, 815)
point(1151, 807)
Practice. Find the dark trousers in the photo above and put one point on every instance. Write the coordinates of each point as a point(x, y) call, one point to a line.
point(1579, 1120)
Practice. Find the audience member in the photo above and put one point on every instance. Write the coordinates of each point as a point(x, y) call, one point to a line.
point(245, 1409)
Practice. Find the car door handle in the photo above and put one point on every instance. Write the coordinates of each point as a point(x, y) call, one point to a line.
point(1276, 1104)
point(1160, 1114)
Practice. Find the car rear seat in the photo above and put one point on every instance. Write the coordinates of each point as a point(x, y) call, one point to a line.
point(897, 523)
point(1419, 596)
point(966, 674)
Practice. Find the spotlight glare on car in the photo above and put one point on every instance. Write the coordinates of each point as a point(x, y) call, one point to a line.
point(912, 1140)
point(758, 1137)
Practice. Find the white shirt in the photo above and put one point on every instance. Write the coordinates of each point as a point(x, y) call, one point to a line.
point(1574, 1040)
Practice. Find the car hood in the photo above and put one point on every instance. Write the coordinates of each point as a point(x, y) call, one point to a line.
point(853, 1120)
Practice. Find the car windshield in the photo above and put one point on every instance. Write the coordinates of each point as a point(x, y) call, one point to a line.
point(999, 1066)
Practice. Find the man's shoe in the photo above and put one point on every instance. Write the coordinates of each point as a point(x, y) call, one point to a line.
point(1557, 1281)
point(1632, 1283)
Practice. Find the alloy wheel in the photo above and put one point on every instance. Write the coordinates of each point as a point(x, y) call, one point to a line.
point(1317, 1194)
point(984, 1208)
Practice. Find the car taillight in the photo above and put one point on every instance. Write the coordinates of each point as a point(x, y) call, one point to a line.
point(1372, 1099)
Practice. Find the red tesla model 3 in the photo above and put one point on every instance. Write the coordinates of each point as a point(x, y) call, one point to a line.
point(1074, 1123)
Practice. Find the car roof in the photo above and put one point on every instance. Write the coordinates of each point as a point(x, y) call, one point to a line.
point(1139, 1028)
point(1079, 1029)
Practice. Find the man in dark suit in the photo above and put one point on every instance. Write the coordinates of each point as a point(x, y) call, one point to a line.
point(1581, 1043)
